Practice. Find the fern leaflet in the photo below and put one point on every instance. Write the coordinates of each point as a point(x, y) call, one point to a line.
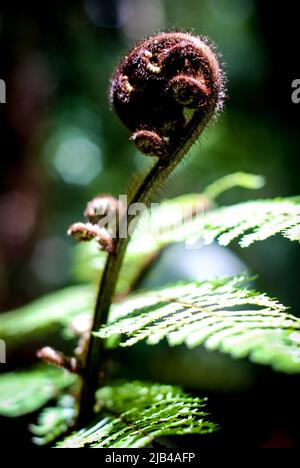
point(249, 222)
point(220, 314)
point(54, 421)
point(133, 414)
point(26, 391)
point(53, 311)
point(174, 221)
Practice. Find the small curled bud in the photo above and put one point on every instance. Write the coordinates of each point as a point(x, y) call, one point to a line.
point(51, 356)
point(158, 81)
point(189, 92)
point(101, 206)
point(87, 232)
point(149, 143)
point(83, 232)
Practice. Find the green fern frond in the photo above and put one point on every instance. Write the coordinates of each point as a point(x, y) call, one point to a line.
point(220, 314)
point(293, 233)
point(52, 312)
point(54, 421)
point(133, 414)
point(24, 392)
point(249, 222)
point(253, 221)
point(237, 179)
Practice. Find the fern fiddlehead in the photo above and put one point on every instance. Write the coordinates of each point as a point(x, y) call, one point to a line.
point(165, 91)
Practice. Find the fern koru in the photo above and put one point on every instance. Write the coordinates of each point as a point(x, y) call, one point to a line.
point(165, 91)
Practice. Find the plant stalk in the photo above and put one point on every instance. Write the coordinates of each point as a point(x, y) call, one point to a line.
point(95, 362)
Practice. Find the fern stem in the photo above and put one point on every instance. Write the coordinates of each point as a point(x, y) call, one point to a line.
point(95, 363)
point(173, 47)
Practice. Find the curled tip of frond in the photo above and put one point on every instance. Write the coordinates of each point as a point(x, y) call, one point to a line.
point(158, 80)
point(83, 232)
point(86, 232)
point(51, 356)
point(189, 92)
point(101, 206)
point(149, 143)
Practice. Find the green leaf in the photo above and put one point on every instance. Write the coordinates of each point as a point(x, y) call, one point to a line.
point(221, 314)
point(54, 421)
point(52, 311)
point(249, 222)
point(133, 414)
point(187, 218)
point(170, 213)
point(24, 392)
point(237, 179)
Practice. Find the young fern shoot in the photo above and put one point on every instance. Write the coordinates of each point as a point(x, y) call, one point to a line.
point(165, 92)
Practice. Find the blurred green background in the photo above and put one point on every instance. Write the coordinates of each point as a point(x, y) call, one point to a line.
point(61, 144)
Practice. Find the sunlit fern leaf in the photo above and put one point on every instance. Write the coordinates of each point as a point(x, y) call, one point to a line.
point(26, 391)
point(172, 214)
point(133, 414)
point(51, 312)
point(189, 218)
point(293, 233)
point(263, 218)
point(248, 222)
point(220, 314)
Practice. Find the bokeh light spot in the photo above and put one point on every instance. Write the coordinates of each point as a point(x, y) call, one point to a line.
point(78, 160)
point(51, 260)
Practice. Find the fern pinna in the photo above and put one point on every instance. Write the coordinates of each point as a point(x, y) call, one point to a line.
point(165, 91)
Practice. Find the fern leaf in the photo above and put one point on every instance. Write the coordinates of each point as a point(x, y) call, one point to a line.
point(52, 312)
point(237, 179)
point(24, 392)
point(293, 233)
point(133, 414)
point(220, 314)
point(249, 222)
point(173, 221)
point(54, 421)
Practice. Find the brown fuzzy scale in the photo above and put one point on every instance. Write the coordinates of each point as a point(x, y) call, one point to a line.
point(157, 81)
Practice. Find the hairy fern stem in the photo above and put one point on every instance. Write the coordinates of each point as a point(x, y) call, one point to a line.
point(177, 149)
